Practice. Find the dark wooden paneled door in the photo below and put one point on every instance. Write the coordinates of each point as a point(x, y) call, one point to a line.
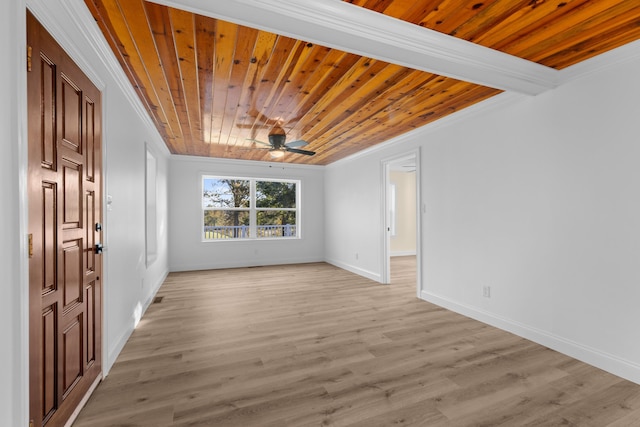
point(64, 120)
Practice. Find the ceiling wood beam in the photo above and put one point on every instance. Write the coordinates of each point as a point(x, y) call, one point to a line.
point(340, 25)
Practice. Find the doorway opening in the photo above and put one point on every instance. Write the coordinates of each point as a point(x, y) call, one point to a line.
point(401, 248)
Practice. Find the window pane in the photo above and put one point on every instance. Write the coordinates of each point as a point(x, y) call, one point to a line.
point(226, 225)
point(226, 193)
point(271, 194)
point(276, 224)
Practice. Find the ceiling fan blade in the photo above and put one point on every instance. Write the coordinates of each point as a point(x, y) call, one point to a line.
point(259, 142)
point(296, 144)
point(295, 150)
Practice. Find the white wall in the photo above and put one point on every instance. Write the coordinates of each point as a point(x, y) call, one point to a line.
point(13, 327)
point(404, 241)
point(188, 252)
point(130, 284)
point(353, 197)
point(536, 197)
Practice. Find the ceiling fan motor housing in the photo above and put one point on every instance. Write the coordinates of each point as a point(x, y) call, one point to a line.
point(277, 141)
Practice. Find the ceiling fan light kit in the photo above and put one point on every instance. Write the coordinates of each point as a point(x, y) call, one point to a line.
point(278, 146)
point(277, 140)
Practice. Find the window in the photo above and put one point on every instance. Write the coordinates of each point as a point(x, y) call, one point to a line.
point(249, 208)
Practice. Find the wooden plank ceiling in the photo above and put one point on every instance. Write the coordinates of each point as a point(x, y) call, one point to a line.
point(210, 85)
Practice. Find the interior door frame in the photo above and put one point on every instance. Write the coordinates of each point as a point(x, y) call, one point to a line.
point(17, 73)
point(22, 357)
point(386, 217)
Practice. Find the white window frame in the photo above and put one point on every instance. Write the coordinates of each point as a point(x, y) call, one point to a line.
point(253, 209)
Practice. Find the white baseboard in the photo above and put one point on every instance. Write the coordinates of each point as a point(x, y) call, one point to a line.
point(356, 270)
point(243, 264)
point(116, 348)
point(403, 253)
point(154, 290)
point(595, 357)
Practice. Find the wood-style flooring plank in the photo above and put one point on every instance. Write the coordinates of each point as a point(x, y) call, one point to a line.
point(314, 345)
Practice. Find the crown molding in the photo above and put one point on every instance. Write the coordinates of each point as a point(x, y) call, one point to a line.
point(612, 58)
point(248, 163)
point(341, 25)
point(45, 12)
point(421, 133)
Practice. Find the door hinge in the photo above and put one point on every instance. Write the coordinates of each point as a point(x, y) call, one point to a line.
point(30, 245)
point(29, 56)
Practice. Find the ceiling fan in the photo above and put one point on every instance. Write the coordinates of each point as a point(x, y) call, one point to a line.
point(278, 146)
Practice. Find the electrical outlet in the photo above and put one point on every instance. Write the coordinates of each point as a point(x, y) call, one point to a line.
point(356, 255)
point(486, 291)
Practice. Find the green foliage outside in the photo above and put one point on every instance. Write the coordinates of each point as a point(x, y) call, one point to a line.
point(270, 194)
point(273, 196)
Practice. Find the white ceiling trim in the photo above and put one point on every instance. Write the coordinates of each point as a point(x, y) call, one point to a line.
point(341, 25)
point(420, 134)
point(248, 163)
point(597, 64)
point(45, 12)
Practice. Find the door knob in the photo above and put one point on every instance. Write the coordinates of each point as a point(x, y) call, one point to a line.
point(99, 248)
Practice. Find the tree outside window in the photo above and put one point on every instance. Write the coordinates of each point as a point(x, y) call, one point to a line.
point(275, 208)
point(248, 208)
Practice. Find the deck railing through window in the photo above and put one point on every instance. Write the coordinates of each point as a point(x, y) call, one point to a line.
point(217, 232)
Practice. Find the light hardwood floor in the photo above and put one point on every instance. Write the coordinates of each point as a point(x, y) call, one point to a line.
point(313, 345)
